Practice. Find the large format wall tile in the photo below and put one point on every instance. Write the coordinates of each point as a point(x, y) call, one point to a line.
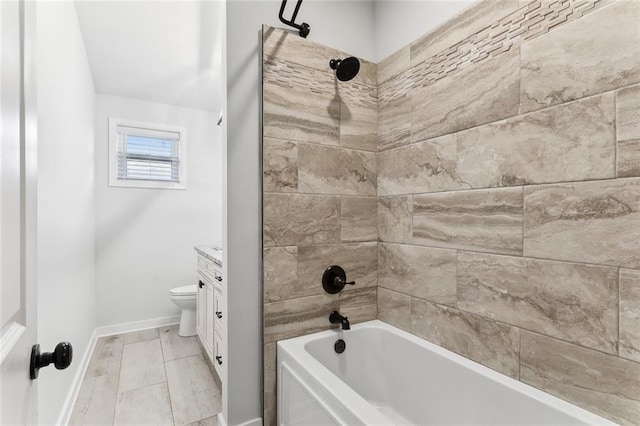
point(295, 219)
point(358, 260)
point(628, 158)
point(279, 165)
point(394, 308)
point(424, 272)
point(571, 142)
point(630, 314)
point(593, 222)
point(468, 22)
point(297, 317)
point(280, 273)
point(476, 95)
point(604, 384)
point(303, 108)
point(574, 60)
point(628, 113)
point(628, 129)
point(269, 371)
point(394, 219)
point(329, 170)
point(359, 304)
point(394, 111)
point(428, 166)
point(480, 339)
point(542, 296)
point(358, 127)
point(359, 216)
point(484, 220)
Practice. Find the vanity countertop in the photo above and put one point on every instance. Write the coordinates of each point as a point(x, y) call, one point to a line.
point(213, 253)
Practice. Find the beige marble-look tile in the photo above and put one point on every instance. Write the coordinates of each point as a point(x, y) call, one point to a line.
point(280, 272)
point(483, 220)
point(570, 301)
point(468, 22)
point(359, 261)
point(195, 395)
point(428, 166)
point(368, 73)
point(394, 308)
point(592, 222)
point(141, 336)
point(359, 218)
point(424, 272)
point(106, 356)
point(329, 170)
point(605, 384)
point(570, 142)
point(359, 126)
point(574, 61)
point(480, 339)
point(288, 45)
point(296, 219)
point(628, 158)
point(175, 346)
point(142, 365)
point(296, 317)
point(300, 103)
point(279, 165)
point(479, 94)
point(149, 405)
point(395, 64)
point(630, 314)
point(270, 384)
point(394, 219)
point(96, 401)
point(628, 113)
point(359, 304)
point(394, 111)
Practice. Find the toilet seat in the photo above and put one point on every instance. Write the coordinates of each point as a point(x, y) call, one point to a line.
point(185, 290)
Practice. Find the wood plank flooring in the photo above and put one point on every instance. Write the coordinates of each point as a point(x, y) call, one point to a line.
point(148, 377)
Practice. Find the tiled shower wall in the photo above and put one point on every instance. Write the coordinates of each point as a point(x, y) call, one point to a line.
point(319, 192)
point(509, 194)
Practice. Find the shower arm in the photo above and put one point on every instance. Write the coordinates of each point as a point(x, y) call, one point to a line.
point(304, 28)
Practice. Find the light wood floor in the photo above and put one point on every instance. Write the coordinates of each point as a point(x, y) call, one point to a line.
point(148, 377)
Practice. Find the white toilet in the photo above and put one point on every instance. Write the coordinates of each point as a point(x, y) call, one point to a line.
point(186, 298)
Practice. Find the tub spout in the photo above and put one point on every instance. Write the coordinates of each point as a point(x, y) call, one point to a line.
point(336, 318)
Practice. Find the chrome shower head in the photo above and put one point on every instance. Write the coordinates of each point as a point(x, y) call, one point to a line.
point(346, 69)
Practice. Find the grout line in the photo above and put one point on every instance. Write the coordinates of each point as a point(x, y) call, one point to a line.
point(166, 377)
point(115, 406)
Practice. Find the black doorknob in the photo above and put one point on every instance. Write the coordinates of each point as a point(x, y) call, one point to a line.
point(61, 358)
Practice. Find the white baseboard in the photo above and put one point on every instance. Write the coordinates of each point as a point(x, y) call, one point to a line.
point(253, 422)
point(70, 401)
point(128, 327)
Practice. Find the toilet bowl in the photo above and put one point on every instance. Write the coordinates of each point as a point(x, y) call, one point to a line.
point(185, 298)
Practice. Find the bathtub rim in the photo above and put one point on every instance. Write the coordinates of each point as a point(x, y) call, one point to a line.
point(297, 354)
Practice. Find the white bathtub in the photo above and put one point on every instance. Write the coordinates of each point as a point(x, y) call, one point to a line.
point(389, 377)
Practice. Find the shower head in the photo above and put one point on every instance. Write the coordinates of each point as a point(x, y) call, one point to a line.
point(346, 68)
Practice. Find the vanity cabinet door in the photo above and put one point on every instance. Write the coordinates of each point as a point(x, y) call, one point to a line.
point(209, 319)
point(218, 361)
point(200, 310)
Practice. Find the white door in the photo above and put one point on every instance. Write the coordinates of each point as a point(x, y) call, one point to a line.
point(18, 166)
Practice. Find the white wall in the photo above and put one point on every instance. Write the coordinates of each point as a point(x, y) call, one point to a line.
point(399, 22)
point(66, 198)
point(346, 25)
point(145, 237)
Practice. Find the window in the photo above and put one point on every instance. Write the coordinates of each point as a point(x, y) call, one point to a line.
point(147, 155)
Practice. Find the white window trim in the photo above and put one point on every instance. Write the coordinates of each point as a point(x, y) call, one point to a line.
point(113, 155)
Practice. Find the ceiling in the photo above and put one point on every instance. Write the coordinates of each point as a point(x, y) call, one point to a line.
point(159, 51)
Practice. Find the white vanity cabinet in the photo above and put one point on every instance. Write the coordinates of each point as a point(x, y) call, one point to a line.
point(210, 315)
